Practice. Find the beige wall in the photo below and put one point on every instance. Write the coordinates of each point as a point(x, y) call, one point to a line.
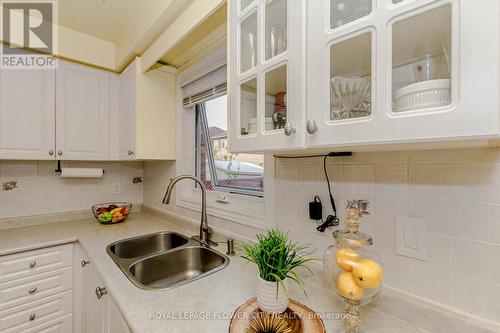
point(457, 192)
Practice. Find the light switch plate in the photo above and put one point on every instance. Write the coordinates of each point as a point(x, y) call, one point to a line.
point(411, 237)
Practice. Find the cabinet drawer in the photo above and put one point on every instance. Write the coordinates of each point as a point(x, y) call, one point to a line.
point(18, 265)
point(62, 325)
point(27, 316)
point(28, 289)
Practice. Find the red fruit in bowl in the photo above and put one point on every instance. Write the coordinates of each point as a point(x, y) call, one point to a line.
point(124, 211)
point(102, 210)
point(111, 207)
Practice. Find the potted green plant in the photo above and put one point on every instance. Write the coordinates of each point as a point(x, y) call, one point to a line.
point(277, 259)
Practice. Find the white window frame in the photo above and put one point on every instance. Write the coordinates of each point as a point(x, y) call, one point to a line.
point(255, 212)
point(203, 123)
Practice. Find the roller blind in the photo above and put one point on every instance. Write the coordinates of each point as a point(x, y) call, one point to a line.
point(205, 88)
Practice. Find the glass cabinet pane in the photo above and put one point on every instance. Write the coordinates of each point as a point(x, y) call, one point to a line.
point(248, 43)
point(248, 107)
point(245, 3)
point(350, 78)
point(276, 103)
point(421, 65)
point(276, 27)
point(345, 11)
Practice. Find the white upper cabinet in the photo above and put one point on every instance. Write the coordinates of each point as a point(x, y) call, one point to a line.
point(377, 72)
point(147, 113)
point(266, 74)
point(402, 71)
point(82, 117)
point(27, 114)
point(126, 113)
point(78, 112)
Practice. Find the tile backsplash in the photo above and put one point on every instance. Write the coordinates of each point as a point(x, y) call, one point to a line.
point(457, 192)
point(39, 190)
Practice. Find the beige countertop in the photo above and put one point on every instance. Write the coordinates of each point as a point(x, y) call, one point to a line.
point(218, 295)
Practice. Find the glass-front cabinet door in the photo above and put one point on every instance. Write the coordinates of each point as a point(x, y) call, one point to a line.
point(267, 74)
point(399, 71)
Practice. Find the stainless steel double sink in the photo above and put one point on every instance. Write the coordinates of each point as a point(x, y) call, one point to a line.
point(164, 260)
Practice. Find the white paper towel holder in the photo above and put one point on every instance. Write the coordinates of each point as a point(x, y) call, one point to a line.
point(59, 170)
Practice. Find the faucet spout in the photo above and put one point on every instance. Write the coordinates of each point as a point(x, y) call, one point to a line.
point(204, 230)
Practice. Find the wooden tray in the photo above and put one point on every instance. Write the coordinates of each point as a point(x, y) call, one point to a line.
point(300, 318)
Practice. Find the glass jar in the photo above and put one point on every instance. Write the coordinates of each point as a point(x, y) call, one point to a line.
point(351, 266)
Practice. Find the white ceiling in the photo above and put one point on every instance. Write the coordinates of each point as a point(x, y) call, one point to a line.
point(104, 19)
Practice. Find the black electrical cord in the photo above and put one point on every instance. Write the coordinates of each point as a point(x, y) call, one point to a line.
point(332, 201)
point(331, 220)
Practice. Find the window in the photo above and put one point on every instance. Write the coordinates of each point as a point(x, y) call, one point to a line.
point(215, 166)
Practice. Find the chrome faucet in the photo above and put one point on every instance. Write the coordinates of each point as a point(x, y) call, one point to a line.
point(204, 237)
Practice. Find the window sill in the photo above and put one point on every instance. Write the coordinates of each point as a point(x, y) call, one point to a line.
point(246, 211)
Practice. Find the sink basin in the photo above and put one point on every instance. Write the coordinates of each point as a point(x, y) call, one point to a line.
point(147, 245)
point(177, 267)
point(164, 260)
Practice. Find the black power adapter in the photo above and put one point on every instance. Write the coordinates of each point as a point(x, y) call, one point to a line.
point(316, 209)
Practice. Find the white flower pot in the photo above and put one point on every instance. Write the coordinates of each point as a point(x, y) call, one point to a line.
point(266, 296)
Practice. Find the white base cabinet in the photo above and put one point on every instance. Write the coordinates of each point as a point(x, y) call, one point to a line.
point(62, 325)
point(53, 290)
point(115, 320)
point(94, 314)
point(36, 291)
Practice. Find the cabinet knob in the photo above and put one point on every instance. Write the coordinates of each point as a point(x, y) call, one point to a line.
point(32, 316)
point(130, 153)
point(51, 152)
point(32, 290)
point(99, 292)
point(59, 152)
point(32, 264)
point(289, 130)
point(311, 126)
point(84, 263)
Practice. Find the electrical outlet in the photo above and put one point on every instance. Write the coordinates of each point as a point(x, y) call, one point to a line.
point(116, 188)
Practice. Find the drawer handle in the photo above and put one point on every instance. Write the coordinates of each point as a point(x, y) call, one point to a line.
point(84, 263)
point(32, 290)
point(33, 264)
point(99, 292)
point(32, 316)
